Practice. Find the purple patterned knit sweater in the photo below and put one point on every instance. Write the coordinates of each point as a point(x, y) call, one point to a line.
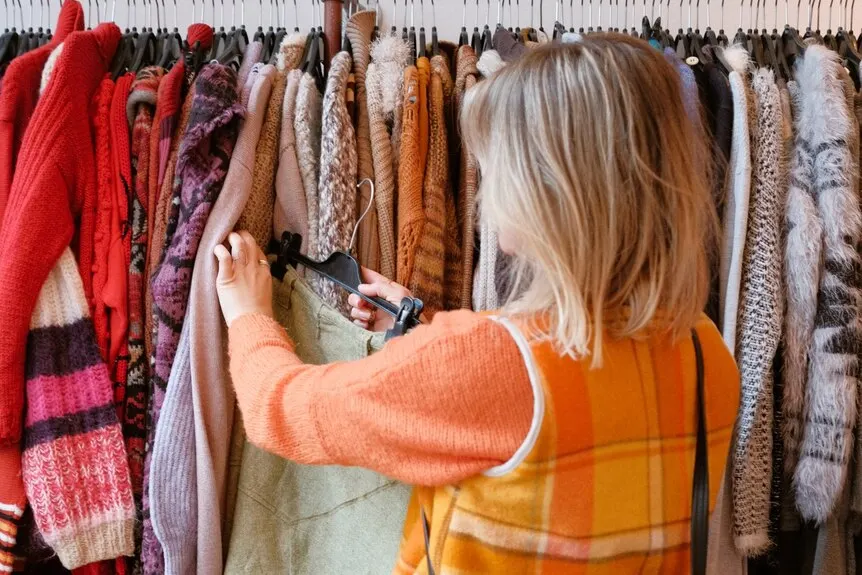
point(202, 163)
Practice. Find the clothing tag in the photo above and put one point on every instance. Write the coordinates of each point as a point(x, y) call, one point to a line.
point(692, 61)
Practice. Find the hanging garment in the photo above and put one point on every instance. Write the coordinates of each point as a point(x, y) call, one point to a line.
point(761, 305)
point(140, 108)
point(167, 209)
point(338, 165)
point(291, 518)
point(291, 210)
point(507, 47)
point(383, 83)
point(201, 167)
point(290, 52)
point(102, 233)
point(423, 68)
point(250, 59)
point(256, 218)
point(40, 219)
point(359, 29)
point(20, 93)
point(74, 461)
point(452, 229)
point(476, 527)
point(427, 280)
point(738, 193)
point(411, 212)
point(168, 104)
point(825, 166)
point(307, 128)
point(167, 212)
point(189, 462)
point(467, 74)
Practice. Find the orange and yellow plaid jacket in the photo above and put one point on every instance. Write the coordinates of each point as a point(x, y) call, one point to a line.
point(602, 483)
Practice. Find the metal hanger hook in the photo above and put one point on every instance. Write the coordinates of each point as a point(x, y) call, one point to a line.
point(370, 182)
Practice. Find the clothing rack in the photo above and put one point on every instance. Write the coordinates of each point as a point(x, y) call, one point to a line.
point(332, 27)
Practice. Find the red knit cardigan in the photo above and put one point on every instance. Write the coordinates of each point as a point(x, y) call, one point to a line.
point(54, 178)
point(21, 91)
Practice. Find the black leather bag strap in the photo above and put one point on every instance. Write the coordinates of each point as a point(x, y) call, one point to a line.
point(700, 485)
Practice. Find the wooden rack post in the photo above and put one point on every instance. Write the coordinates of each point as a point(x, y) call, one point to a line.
point(332, 27)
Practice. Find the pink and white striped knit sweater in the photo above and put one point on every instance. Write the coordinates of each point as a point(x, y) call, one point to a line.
point(75, 470)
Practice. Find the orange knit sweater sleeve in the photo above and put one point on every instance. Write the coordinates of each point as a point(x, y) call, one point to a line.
point(443, 403)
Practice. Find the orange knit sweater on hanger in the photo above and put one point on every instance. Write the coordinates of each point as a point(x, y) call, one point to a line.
point(411, 213)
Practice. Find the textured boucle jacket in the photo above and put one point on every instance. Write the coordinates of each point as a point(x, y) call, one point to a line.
point(338, 165)
point(761, 305)
point(389, 55)
point(823, 280)
point(360, 27)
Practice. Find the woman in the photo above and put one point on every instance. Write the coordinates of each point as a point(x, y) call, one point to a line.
point(556, 435)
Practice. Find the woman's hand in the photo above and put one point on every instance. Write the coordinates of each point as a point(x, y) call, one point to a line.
point(366, 315)
point(244, 283)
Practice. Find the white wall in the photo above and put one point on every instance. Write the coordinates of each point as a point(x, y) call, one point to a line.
point(449, 13)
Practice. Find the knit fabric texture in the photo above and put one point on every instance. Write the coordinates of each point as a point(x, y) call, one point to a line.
point(468, 182)
point(489, 62)
point(307, 129)
point(189, 461)
point(452, 241)
point(411, 212)
point(423, 68)
point(167, 212)
point(74, 460)
point(761, 305)
point(389, 55)
point(104, 199)
point(54, 175)
point(427, 280)
point(825, 166)
point(140, 106)
point(201, 167)
point(168, 104)
point(338, 165)
point(21, 91)
point(256, 218)
point(359, 30)
point(290, 52)
point(738, 194)
point(290, 212)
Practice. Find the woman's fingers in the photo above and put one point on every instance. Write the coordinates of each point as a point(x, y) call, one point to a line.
point(361, 314)
point(225, 264)
point(372, 277)
point(238, 249)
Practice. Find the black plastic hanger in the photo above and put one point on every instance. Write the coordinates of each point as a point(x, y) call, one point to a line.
point(343, 270)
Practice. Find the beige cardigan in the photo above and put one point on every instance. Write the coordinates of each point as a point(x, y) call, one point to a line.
point(197, 462)
point(359, 30)
point(384, 85)
point(291, 210)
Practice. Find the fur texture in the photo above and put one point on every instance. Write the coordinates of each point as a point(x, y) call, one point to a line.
point(825, 167)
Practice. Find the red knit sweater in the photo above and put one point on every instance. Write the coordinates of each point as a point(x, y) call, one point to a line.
point(21, 91)
point(54, 178)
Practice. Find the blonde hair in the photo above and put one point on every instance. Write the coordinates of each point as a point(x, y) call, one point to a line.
point(591, 165)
